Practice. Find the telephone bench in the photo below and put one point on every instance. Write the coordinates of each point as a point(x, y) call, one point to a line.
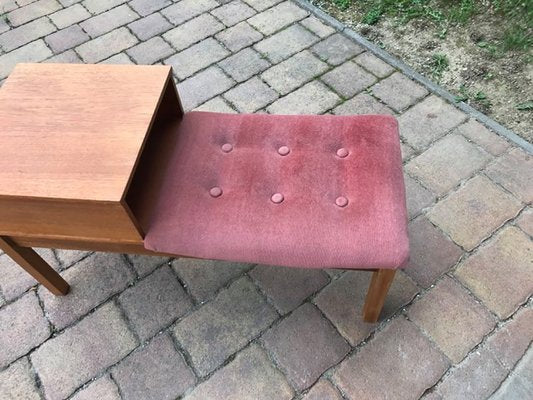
point(103, 158)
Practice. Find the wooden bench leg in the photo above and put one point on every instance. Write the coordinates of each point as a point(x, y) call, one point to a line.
point(377, 292)
point(28, 259)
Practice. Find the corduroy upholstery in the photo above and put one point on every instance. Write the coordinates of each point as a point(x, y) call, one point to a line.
point(297, 191)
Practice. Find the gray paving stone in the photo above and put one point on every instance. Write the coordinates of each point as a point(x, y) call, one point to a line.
point(107, 45)
point(233, 12)
point(428, 121)
point(322, 390)
point(431, 253)
point(413, 365)
point(92, 281)
point(187, 9)
point(479, 134)
point(514, 171)
point(9, 5)
point(277, 17)
point(18, 382)
point(473, 212)
point(251, 95)
point(109, 20)
point(285, 43)
point(154, 302)
point(203, 86)
point(250, 376)
point(298, 102)
point(156, 372)
point(445, 164)
point(4, 26)
point(196, 57)
point(25, 34)
point(193, 31)
point(15, 280)
point(98, 6)
point(32, 11)
point(150, 51)
point(500, 272)
point(221, 327)
point(519, 385)
point(204, 278)
point(343, 299)
point(70, 359)
point(32, 52)
point(145, 7)
point(398, 91)
point(287, 288)
point(239, 36)
point(149, 26)
point(418, 197)
point(363, 103)
point(66, 38)
point(143, 265)
point(68, 257)
point(451, 318)
point(525, 221)
point(305, 345)
point(336, 49)
point(348, 79)
point(68, 56)
point(244, 65)
point(261, 5)
point(294, 72)
point(374, 64)
point(218, 104)
point(317, 27)
point(67, 3)
point(69, 16)
point(22, 327)
point(120, 58)
point(101, 389)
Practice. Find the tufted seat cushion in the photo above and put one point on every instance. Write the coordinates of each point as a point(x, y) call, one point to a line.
point(298, 191)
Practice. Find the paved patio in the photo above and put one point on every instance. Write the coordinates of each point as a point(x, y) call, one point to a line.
point(458, 323)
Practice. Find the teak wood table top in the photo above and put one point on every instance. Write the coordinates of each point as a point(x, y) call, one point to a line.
point(55, 144)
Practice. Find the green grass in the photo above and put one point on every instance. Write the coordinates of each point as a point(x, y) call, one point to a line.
point(439, 64)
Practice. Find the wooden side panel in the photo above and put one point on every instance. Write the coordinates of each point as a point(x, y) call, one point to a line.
point(98, 221)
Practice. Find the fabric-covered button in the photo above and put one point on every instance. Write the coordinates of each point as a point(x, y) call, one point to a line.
point(226, 147)
point(277, 198)
point(341, 201)
point(215, 191)
point(284, 150)
point(342, 152)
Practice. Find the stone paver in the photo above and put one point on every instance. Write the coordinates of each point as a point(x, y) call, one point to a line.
point(22, 327)
point(223, 326)
point(519, 385)
point(446, 163)
point(101, 389)
point(514, 171)
point(451, 318)
point(251, 95)
point(250, 376)
point(287, 288)
point(204, 278)
point(18, 382)
point(398, 91)
point(348, 79)
point(353, 285)
point(69, 360)
point(154, 303)
point(500, 273)
point(428, 121)
point(201, 329)
point(294, 72)
point(92, 281)
point(412, 365)
point(155, 372)
point(432, 253)
point(470, 214)
point(306, 355)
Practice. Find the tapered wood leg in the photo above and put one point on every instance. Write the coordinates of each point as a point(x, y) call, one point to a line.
point(377, 292)
point(35, 266)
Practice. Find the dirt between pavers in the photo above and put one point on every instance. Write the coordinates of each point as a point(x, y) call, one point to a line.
point(506, 81)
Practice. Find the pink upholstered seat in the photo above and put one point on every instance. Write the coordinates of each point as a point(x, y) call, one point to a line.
point(299, 191)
